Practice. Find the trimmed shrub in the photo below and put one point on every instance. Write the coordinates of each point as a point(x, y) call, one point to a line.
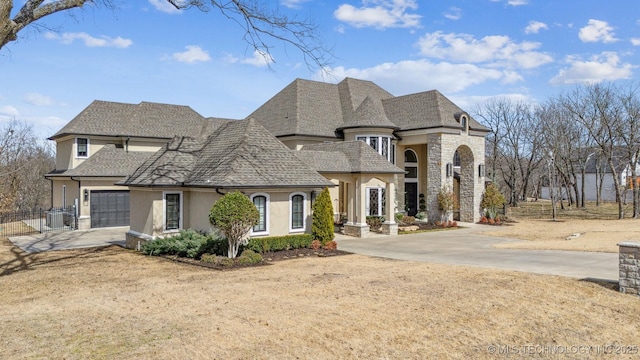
point(375, 221)
point(249, 257)
point(408, 220)
point(187, 243)
point(234, 214)
point(279, 243)
point(322, 226)
point(208, 258)
point(492, 200)
point(399, 217)
point(316, 244)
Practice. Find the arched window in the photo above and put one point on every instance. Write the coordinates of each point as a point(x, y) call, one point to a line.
point(297, 212)
point(410, 156)
point(261, 201)
point(456, 159)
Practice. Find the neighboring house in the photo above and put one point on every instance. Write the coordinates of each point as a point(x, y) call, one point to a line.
point(598, 174)
point(375, 152)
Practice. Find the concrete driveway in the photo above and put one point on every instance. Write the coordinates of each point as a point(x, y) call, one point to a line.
point(467, 247)
point(76, 239)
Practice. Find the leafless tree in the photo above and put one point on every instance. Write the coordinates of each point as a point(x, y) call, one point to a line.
point(24, 160)
point(513, 144)
point(598, 108)
point(259, 20)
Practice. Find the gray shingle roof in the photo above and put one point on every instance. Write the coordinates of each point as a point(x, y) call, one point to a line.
point(346, 157)
point(107, 162)
point(425, 110)
point(240, 154)
point(145, 119)
point(312, 108)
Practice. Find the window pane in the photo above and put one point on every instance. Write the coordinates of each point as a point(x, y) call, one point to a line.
point(385, 147)
point(82, 147)
point(411, 172)
point(373, 202)
point(297, 212)
point(410, 156)
point(373, 142)
point(172, 211)
point(456, 159)
point(361, 138)
point(261, 203)
point(393, 154)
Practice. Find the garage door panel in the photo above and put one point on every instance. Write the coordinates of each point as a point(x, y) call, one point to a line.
point(109, 208)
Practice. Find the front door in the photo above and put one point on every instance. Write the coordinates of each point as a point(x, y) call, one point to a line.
point(456, 198)
point(411, 198)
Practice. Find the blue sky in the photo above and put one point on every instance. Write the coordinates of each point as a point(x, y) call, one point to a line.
point(470, 50)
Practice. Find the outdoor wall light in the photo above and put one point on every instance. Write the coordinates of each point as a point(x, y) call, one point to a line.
point(449, 169)
point(481, 170)
point(86, 195)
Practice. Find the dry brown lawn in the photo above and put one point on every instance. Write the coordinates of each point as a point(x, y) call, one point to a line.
point(596, 228)
point(115, 303)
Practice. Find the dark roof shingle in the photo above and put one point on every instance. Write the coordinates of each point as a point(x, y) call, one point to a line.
point(109, 161)
point(346, 157)
point(240, 154)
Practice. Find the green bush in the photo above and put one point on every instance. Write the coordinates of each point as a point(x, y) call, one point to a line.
point(322, 226)
point(234, 214)
point(249, 257)
point(279, 243)
point(375, 221)
point(492, 199)
point(399, 217)
point(187, 243)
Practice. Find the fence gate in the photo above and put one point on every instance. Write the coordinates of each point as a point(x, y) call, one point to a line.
point(34, 221)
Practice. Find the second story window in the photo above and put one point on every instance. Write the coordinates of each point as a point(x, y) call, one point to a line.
point(382, 145)
point(82, 147)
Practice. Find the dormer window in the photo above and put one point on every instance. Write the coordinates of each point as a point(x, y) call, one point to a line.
point(464, 123)
point(82, 147)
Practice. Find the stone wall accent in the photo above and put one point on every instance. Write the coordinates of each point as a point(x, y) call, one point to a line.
point(629, 267)
point(356, 230)
point(134, 241)
point(389, 228)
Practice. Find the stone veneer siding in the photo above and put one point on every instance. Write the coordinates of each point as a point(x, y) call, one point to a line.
point(629, 267)
point(134, 242)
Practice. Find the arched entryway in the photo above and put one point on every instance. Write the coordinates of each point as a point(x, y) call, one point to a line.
point(411, 182)
point(463, 184)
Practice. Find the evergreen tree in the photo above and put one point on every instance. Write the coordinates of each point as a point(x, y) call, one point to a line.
point(322, 227)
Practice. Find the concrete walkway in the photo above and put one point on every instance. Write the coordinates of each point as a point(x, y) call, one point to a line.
point(76, 239)
point(467, 247)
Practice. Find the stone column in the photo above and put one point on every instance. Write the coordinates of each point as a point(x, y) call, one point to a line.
point(629, 267)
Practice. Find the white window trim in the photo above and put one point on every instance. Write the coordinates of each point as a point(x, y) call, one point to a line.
point(266, 214)
point(380, 139)
point(412, 164)
point(164, 212)
point(304, 212)
point(368, 200)
point(76, 148)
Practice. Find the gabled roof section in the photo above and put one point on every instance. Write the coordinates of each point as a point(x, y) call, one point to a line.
point(240, 154)
point(304, 107)
point(146, 119)
point(346, 157)
point(428, 109)
point(370, 113)
point(109, 161)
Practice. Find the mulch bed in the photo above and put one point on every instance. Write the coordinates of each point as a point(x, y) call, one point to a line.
point(268, 258)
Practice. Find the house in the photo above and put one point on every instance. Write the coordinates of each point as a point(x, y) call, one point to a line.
point(376, 152)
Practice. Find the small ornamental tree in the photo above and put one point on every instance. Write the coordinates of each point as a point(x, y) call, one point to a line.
point(492, 199)
point(446, 200)
point(322, 226)
point(234, 214)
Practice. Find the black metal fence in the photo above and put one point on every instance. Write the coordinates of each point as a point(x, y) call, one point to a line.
point(34, 221)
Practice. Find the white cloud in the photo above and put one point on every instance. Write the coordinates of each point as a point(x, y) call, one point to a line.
point(90, 41)
point(380, 14)
point(164, 6)
point(534, 27)
point(454, 13)
point(259, 59)
point(38, 99)
point(603, 67)
point(635, 41)
point(517, 2)
point(9, 110)
point(597, 31)
point(411, 76)
point(191, 55)
point(493, 50)
point(292, 4)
